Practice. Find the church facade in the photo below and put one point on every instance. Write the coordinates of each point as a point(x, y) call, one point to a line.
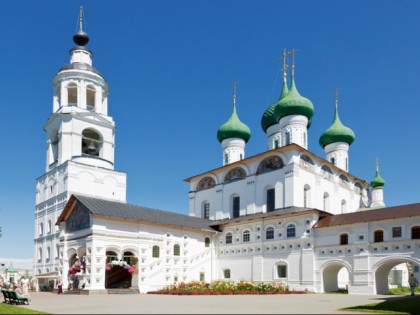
point(284, 215)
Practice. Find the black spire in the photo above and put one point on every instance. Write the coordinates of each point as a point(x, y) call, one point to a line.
point(81, 38)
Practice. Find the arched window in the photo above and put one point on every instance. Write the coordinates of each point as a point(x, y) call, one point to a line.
point(281, 270)
point(226, 273)
point(54, 146)
point(270, 164)
point(72, 94)
point(326, 172)
point(271, 194)
point(57, 249)
point(306, 159)
point(234, 174)
point(39, 254)
point(207, 242)
point(228, 238)
point(48, 256)
point(49, 227)
point(177, 250)
point(306, 196)
point(326, 202)
point(344, 239)
point(206, 183)
point(129, 257)
point(269, 233)
point(415, 232)
point(236, 206)
point(291, 230)
point(41, 229)
point(155, 251)
point(288, 138)
point(246, 236)
point(378, 236)
point(344, 179)
point(359, 187)
point(91, 142)
point(90, 97)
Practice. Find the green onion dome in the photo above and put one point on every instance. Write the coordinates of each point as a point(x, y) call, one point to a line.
point(337, 133)
point(233, 128)
point(269, 117)
point(294, 104)
point(378, 181)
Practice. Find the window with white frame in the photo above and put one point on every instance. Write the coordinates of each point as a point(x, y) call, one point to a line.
point(226, 273)
point(177, 250)
point(396, 231)
point(281, 270)
point(206, 210)
point(246, 236)
point(269, 233)
point(291, 230)
point(228, 238)
point(155, 251)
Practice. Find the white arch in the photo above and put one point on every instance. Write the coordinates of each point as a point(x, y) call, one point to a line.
point(329, 271)
point(382, 268)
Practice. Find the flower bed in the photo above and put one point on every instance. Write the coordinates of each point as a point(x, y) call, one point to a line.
point(226, 288)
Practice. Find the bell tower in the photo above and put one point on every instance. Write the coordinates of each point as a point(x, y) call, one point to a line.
point(79, 149)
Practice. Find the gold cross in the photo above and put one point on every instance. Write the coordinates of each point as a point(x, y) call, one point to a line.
point(337, 91)
point(284, 57)
point(293, 52)
point(234, 92)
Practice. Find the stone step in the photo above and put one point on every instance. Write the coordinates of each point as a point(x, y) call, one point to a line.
point(123, 291)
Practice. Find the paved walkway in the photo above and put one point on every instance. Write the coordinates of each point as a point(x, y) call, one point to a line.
point(167, 304)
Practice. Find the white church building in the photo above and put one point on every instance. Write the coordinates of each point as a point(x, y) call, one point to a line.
point(284, 215)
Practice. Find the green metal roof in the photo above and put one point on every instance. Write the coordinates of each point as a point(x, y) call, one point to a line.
point(233, 128)
point(337, 133)
point(10, 269)
point(378, 181)
point(269, 117)
point(294, 104)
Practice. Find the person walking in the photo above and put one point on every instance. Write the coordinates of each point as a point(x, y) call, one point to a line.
point(60, 287)
point(413, 282)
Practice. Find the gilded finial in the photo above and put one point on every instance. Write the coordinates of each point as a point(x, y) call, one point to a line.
point(81, 38)
point(234, 93)
point(284, 57)
point(81, 18)
point(293, 52)
point(337, 91)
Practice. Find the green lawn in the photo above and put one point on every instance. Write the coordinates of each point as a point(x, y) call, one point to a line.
point(405, 305)
point(17, 309)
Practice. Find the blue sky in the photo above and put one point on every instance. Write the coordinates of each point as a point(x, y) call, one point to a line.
point(171, 65)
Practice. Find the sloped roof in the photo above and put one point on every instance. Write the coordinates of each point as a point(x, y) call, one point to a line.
point(114, 209)
point(278, 213)
point(378, 214)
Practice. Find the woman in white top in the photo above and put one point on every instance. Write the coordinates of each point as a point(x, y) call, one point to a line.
point(24, 284)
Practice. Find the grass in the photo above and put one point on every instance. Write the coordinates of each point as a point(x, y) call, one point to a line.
point(403, 290)
point(406, 305)
point(16, 309)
